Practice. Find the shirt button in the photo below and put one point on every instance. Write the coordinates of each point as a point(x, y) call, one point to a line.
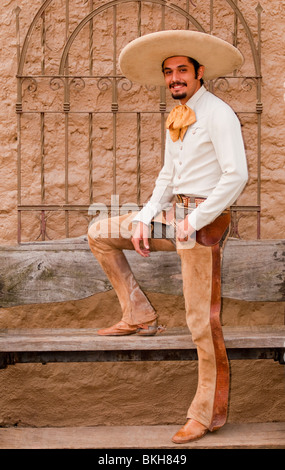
point(180, 163)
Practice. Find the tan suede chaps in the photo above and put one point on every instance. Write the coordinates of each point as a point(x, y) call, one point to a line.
point(202, 292)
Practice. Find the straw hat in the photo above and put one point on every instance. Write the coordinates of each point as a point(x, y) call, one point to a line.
point(141, 59)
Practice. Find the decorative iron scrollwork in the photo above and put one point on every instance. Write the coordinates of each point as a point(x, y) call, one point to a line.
point(32, 86)
point(248, 82)
point(125, 84)
point(104, 83)
point(77, 83)
point(221, 84)
point(56, 83)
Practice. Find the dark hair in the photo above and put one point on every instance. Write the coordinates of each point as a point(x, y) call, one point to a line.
point(195, 64)
point(196, 67)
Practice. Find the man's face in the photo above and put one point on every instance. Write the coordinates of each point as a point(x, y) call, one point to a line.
point(180, 79)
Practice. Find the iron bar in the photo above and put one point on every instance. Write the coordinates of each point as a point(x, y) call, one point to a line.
point(259, 111)
point(235, 33)
point(19, 126)
point(91, 35)
point(162, 104)
point(90, 152)
point(114, 100)
point(141, 111)
point(116, 76)
point(66, 145)
point(138, 159)
point(139, 18)
point(43, 41)
point(70, 207)
point(42, 131)
point(211, 16)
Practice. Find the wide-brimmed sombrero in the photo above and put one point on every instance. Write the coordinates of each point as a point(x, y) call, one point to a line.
point(141, 59)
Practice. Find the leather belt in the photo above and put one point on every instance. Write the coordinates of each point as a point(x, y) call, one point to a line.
point(189, 201)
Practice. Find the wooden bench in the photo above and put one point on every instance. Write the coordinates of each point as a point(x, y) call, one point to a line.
point(60, 271)
point(66, 270)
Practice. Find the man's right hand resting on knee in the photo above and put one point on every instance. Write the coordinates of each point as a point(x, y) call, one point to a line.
point(140, 239)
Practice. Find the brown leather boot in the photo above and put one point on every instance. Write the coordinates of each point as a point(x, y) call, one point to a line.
point(122, 328)
point(119, 329)
point(191, 431)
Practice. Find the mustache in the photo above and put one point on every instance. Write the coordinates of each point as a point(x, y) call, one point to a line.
point(171, 85)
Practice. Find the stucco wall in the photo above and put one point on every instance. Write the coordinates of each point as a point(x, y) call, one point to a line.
point(90, 394)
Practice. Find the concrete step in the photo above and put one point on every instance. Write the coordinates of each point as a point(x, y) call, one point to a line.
point(231, 436)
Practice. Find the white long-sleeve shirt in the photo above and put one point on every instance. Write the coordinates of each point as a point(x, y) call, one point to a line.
point(210, 162)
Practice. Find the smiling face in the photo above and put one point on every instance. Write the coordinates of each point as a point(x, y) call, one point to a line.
point(181, 78)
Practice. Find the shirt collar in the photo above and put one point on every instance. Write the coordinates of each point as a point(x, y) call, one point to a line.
point(193, 100)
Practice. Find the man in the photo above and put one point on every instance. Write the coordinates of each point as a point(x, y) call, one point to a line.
point(205, 169)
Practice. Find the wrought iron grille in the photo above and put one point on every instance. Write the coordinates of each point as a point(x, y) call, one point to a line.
point(85, 131)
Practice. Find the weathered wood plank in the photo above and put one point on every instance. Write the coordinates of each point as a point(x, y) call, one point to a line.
point(230, 436)
point(66, 270)
point(254, 270)
point(13, 340)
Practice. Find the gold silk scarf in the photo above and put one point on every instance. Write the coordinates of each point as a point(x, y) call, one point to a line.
point(178, 121)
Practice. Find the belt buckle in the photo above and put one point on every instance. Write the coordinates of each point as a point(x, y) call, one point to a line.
point(187, 201)
point(198, 201)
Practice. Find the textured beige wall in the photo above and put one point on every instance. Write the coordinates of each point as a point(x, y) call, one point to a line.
point(90, 394)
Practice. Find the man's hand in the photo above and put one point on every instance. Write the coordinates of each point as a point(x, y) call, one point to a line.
point(140, 239)
point(184, 230)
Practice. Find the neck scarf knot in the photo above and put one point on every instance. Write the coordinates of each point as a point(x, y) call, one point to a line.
point(178, 121)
